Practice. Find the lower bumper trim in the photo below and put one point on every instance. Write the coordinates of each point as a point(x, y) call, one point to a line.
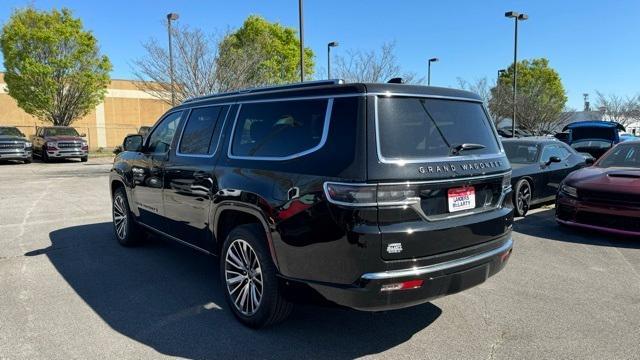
point(419, 271)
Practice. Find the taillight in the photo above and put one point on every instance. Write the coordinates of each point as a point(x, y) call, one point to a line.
point(405, 285)
point(351, 194)
point(506, 182)
point(371, 195)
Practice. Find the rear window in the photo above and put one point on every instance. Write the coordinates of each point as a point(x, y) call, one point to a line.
point(419, 128)
point(521, 153)
point(279, 129)
point(622, 156)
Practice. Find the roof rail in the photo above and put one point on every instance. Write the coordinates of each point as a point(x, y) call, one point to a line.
point(268, 88)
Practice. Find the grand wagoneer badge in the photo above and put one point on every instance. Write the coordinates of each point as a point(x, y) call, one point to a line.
point(464, 166)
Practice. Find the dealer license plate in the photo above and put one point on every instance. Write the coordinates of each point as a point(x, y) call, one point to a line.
point(463, 198)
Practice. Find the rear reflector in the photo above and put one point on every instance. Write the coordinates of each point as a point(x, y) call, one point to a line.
point(504, 257)
point(406, 285)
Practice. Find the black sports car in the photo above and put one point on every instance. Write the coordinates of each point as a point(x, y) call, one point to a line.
point(539, 165)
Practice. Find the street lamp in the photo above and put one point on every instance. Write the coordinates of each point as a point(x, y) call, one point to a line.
point(516, 16)
point(429, 70)
point(301, 24)
point(170, 17)
point(500, 72)
point(329, 46)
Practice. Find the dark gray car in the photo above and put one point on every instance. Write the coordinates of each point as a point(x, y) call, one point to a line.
point(14, 145)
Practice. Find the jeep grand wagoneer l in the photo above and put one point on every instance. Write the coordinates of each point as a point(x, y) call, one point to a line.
point(374, 196)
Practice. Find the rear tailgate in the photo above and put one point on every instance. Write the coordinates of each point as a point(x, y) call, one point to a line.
point(415, 148)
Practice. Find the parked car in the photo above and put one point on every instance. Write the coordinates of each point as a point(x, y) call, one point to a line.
point(374, 196)
point(59, 142)
point(539, 165)
point(605, 196)
point(593, 137)
point(14, 145)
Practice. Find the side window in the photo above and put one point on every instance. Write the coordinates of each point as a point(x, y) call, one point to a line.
point(199, 137)
point(548, 151)
point(279, 129)
point(563, 152)
point(162, 136)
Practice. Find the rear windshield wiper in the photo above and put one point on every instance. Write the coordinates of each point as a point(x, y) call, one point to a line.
point(456, 149)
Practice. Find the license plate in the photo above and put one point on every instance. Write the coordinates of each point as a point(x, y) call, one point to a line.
point(463, 198)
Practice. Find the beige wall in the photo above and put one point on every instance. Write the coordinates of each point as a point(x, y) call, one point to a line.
point(124, 110)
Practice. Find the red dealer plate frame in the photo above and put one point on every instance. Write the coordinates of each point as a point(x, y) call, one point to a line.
point(462, 198)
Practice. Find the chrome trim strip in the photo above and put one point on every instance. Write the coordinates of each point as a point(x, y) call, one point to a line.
point(451, 179)
point(175, 238)
point(224, 122)
point(323, 139)
point(419, 271)
point(402, 162)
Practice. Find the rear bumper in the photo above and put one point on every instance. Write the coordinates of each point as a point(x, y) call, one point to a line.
point(439, 279)
point(610, 218)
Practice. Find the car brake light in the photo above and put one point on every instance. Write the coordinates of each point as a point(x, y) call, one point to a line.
point(371, 194)
point(405, 285)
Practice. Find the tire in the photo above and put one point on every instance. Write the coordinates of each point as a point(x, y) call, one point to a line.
point(250, 284)
point(84, 159)
point(125, 228)
point(45, 157)
point(522, 197)
point(28, 160)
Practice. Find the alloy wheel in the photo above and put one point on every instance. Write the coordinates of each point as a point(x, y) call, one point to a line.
point(524, 198)
point(243, 276)
point(120, 217)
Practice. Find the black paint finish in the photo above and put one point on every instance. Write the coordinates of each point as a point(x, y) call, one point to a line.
point(328, 247)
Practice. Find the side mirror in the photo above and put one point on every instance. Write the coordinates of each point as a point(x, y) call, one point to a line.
point(132, 143)
point(553, 159)
point(83, 135)
point(589, 161)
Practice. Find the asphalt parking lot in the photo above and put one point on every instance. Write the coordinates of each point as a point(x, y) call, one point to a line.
point(68, 291)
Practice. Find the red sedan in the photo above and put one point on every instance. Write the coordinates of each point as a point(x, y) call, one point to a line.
point(605, 196)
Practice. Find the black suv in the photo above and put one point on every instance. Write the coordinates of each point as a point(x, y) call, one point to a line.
point(374, 196)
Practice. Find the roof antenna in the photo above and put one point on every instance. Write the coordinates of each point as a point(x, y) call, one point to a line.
point(396, 80)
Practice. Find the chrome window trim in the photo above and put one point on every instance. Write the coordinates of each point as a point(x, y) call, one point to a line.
point(423, 270)
point(323, 139)
point(402, 162)
point(224, 122)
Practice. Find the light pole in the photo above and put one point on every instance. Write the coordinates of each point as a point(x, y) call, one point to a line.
point(516, 17)
point(301, 24)
point(170, 17)
point(329, 46)
point(500, 72)
point(429, 70)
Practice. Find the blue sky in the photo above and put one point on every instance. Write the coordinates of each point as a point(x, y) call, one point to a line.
point(592, 44)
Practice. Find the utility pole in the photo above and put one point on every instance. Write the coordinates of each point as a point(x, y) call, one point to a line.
point(301, 24)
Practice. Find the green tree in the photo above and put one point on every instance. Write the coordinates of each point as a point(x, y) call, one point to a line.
point(277, 47)
point(541, 98)
point(53, 67)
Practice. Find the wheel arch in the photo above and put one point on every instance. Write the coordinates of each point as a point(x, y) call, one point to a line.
point(230, 215)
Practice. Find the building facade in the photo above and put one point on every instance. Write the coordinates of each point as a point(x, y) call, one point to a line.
point(125, 108)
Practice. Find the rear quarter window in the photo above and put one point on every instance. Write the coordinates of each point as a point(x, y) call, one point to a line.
point(421, 128)
point(279, 129)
